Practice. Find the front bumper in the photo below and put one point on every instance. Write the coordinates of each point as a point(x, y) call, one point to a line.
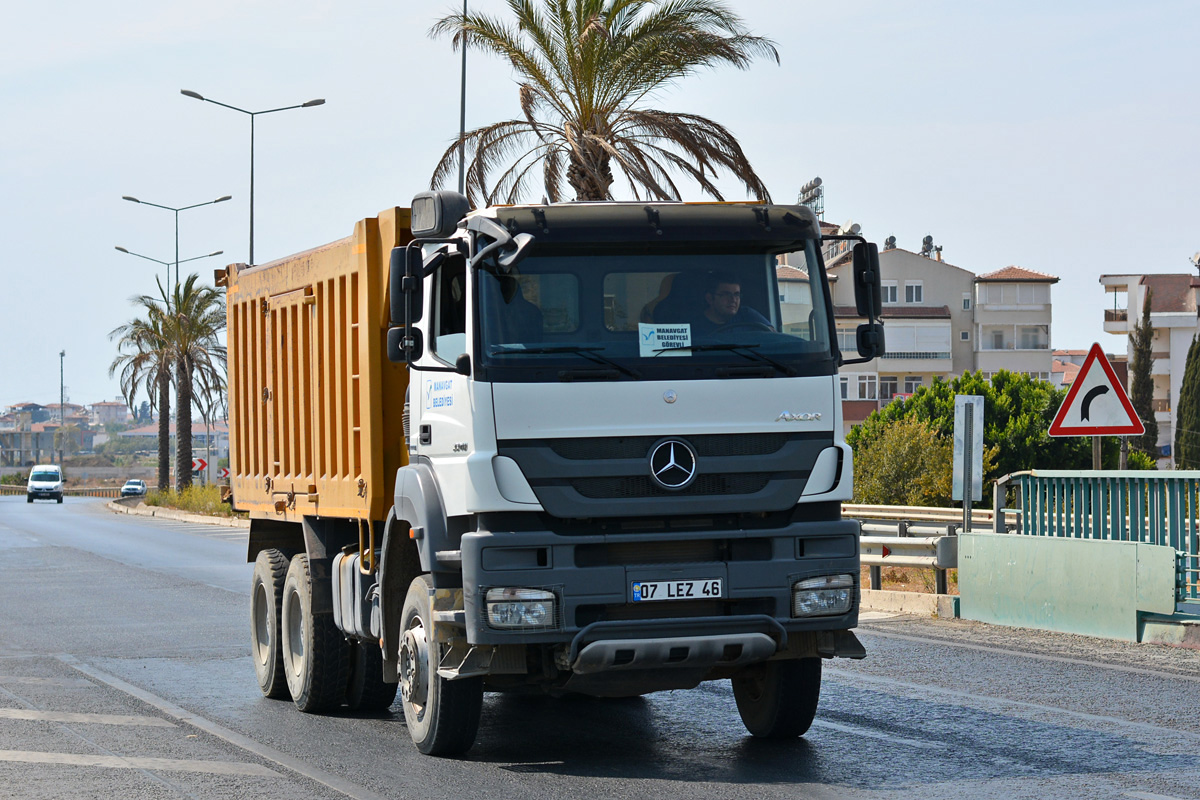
point(592, 578)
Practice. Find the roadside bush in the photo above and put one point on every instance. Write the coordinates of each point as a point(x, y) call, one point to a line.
point(194, 499)
point(14, 479)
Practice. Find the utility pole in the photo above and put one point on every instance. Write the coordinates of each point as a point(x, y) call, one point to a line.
point(62, 409)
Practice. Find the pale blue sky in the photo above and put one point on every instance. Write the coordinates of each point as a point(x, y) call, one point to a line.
point(1056, 136)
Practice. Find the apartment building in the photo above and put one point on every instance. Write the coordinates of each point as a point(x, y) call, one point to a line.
point(1012, 322)
point(940, 321)
point(1173, 313)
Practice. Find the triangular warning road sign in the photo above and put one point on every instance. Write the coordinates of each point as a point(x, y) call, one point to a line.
point(1096, 404)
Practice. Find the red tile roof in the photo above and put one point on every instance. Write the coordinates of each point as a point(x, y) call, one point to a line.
point(1011, 274)
point(1171, 293)
point(787, 273)
point(898, 312)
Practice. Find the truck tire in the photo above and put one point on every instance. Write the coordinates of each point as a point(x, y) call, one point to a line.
point(367, 691)
point(442, 715)
point(316, 656)
point(778, 699)
point(266, 600)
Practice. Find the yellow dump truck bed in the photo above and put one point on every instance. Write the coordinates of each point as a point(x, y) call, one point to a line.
point(315, 407)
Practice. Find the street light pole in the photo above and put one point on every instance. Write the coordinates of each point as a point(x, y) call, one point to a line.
point(167, 264)
point(252, 115)
point(62, 406)
point(176, 210)
point(462, 114)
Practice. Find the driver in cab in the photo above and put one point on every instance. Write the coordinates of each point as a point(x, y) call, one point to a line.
point(723, 301)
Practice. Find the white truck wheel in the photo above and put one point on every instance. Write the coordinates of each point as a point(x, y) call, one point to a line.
point(442, 715)
point(266, 598)
point(778, 699)
point(316, 655)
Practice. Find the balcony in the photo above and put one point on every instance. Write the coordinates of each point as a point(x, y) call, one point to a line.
point(1161, 406)
point(1116, 320)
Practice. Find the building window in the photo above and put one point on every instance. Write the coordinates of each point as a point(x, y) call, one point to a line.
point(866, 387)
point(914, 292)
point(889, 292)
point(964, 336)
point(966, 301)
point(911, 383)
point(847, 340)
point(1031, 339)
point(887, 386)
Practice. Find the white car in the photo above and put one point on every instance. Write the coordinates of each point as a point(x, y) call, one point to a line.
point(45, 482)
point(133, 488)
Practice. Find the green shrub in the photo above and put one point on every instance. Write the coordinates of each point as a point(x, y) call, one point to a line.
point(14, 479)
point(194, 499)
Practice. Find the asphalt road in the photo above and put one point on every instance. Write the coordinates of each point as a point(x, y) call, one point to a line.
point(125, 672)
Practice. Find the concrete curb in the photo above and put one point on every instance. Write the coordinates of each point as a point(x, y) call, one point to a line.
point(1172, 631)
point(179, 516)
point(929, 605)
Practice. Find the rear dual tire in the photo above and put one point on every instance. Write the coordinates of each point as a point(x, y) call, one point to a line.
point(316, 655)
point(266, 602)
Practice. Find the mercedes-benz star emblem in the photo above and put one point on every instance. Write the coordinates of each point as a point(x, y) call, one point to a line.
point(673, 464)
point(670, 396)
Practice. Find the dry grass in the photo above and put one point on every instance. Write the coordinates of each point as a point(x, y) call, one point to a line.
point(194, 499)
point(910, 579)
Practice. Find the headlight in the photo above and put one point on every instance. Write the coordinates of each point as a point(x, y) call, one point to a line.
point(520, 608)
point(827, 595)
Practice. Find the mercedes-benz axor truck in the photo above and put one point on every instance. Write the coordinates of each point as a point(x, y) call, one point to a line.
point(587, 448)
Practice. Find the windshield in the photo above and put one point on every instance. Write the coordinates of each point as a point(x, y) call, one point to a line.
point(44, 477)
point(656, 316)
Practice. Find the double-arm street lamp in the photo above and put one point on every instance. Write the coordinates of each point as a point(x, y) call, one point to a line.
point(167, 264)
point(252, 115)
point(176, 210)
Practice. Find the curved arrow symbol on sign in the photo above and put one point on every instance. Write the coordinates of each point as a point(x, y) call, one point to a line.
point(1085, 406)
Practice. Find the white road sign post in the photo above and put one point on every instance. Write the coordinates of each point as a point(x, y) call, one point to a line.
point(968, 453)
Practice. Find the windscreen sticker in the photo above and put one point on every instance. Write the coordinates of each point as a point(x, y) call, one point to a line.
point(664, 340)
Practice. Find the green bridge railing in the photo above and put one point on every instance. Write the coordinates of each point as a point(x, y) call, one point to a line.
point(1160, 508)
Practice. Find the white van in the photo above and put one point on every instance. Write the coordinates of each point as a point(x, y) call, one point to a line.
point(46, 482)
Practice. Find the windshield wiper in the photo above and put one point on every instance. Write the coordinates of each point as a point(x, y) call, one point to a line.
point(589, 353)
point(746, 351)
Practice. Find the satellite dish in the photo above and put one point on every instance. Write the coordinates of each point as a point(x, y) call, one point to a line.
point(851, 227)
point(1196, 260)
point(889, 243)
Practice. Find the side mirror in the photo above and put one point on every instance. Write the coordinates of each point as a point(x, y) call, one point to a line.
point(463, 365)
point(406, 299)
point(868, 292)
point(869, 338)
point(404, 344)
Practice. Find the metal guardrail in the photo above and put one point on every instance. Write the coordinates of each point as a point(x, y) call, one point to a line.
point(910, 536)
point(1160, 508)
point(100, 492)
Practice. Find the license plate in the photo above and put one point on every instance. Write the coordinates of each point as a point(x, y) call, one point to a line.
point(697, 589)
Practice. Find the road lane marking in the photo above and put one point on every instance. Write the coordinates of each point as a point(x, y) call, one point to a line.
point(288, 762)
point(850, 676)
point(128, 762)
point(855, 730)
point(93, 719)
point(64, 683)
point(1171, 676)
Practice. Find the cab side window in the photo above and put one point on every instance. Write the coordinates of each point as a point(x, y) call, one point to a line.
point(450, 311)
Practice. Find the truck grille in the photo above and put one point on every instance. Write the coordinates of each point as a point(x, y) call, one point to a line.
point(706, 446)
point(640, 486)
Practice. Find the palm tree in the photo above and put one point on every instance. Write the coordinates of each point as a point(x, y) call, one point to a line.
point(144, 360)
point(197, 318)
point(586, 69)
